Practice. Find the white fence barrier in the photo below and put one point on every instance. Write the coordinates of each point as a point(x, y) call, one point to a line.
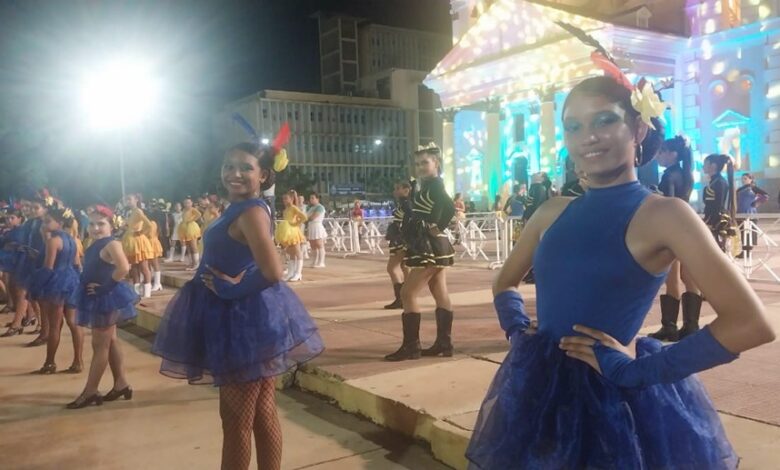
point(489, 237)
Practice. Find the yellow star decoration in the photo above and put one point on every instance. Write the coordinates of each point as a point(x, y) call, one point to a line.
point(281, 161)
point(647, 103)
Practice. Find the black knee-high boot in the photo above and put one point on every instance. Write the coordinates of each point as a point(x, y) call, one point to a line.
point(397, 303)
point(691, 309)
point(443, 344)
point(410, 349)
point(670, 310)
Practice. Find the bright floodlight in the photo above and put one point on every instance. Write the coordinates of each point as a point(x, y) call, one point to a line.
point(378, 142)
point(265, 141)
point(119, 95)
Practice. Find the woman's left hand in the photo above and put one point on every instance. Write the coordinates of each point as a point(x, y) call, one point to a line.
point(581, 347)
point(208, 278)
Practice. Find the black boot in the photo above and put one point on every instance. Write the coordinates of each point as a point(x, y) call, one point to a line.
point(691, 308)
point(670, 309)
point(443, 344)
point(410, 349)
point(397, 303)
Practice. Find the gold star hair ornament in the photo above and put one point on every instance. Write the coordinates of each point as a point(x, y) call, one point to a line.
point(281, 161)
point(646, 102)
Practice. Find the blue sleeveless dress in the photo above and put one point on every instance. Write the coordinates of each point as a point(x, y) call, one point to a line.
point(545, 410)
point(206, 339)
point(33, 252)
point(61, 284)
point(9, 249)
point(111, 308)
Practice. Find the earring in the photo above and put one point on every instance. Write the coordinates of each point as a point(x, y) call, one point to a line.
point(637, 160)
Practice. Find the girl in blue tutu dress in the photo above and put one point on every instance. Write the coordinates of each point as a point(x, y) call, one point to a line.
point(104, 302)
point(577, 392)
point(10, 241)
point(235, 324)
point(55, 286)
point(29, 251)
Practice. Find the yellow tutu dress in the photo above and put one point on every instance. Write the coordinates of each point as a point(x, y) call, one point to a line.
point(154, 239)
point(210, 215)
point(74, 234)
point(135, 243)
point(188, 228)
point(288, 231)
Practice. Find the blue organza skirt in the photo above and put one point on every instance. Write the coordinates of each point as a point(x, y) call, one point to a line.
point(58, 286)
point(112, 308)
point(545, 410)
point(207, 339)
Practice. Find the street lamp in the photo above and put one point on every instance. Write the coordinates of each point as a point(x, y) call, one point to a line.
point(118, 96)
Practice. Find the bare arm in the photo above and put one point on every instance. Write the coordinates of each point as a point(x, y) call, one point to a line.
point(741, 323)
point(53, 246)
point(521, 259)
point(255, 226)
point(116, 256)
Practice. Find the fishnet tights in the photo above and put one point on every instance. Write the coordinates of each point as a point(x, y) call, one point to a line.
point(246, 408)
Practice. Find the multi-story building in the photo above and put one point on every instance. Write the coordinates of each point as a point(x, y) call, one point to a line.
point(373, 112)
point(339, 141)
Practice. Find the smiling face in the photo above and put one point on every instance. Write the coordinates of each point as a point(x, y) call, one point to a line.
point(599, 138)
point(99, 226)
point(314, 200)
point(188, 203)
point(426, 165)
point(242, 175)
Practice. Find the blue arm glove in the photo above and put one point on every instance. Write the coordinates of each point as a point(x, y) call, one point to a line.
point(697, 352)
point(252, 282)
point(511, 312)
point(106, 288)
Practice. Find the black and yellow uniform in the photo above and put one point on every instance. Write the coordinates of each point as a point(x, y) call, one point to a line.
point(423, 229)
point(572, 189)
point(394, 234)
point(716, 214)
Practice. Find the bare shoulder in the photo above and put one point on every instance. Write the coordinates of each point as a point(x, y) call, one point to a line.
point(550, 210)
point(666, 211)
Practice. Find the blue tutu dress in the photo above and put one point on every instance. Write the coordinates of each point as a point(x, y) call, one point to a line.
point(545, 410)
point(208, 339)
point(111, 308)
point(10, 253)
point(31, 252)
point(61, 283)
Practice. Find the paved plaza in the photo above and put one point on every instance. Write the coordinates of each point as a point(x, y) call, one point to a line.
point(433, 401)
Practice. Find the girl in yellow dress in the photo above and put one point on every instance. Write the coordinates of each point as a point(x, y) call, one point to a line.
point(71, 227)
point(157, 252)
point(210, 209)
point(189, 232)
point(137, 246)
point(289, 235)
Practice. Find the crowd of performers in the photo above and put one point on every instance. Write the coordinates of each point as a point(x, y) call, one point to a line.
point(577, 389)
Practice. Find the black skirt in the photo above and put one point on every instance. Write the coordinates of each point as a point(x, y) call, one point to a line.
point(424, 249)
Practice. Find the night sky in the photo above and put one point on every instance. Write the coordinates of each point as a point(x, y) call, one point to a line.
point(207, 52)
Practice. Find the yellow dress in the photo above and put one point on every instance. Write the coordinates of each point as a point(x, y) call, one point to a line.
point(288, 231)
point(188, 228)
point(135, 243)
point(152, 234)
point(74, 234)
point(209, 216)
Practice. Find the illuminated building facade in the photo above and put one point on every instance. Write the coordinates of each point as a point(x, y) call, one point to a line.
point(504, 81)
